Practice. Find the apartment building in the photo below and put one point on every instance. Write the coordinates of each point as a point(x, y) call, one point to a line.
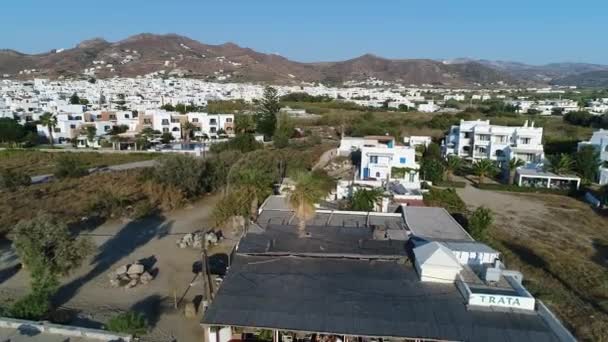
point(479, 139)
point(599, 140)
point(381, 160)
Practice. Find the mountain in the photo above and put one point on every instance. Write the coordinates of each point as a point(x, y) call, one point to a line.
point(591, 79)
point(173, 54)
point(553, 73)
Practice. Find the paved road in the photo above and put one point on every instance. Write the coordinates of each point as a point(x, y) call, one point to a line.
point(120, 167)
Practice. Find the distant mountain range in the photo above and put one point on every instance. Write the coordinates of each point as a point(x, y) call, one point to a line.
point(173, 54)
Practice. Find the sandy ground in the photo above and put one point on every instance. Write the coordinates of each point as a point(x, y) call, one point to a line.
point(153, 240)
point(561, 245)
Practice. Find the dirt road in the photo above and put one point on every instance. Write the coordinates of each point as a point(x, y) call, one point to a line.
point(151, 240)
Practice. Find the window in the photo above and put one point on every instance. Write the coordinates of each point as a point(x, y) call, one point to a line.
point(194, 119)
point(402, 160)
point(412, 177)
point(107, 128)
point(377, 174)
point(525, 141)
point(165, 130)
point(606, 148)
point(175, 129)
point(483, 137)
point(213, 122)
point(112, 117)
point(373, 160)
point(165, 121)
point(228, 119)
point(213, 129)
point(147, 122)
point(72, 126)
point(57, 130)
point(499, 153)
point(467, 135)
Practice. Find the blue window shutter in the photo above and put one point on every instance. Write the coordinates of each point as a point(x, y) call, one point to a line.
point(402, 160)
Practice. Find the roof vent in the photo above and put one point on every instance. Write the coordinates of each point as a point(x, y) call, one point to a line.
point(492, 274)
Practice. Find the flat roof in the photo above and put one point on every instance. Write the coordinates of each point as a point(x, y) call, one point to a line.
point(434, 223)
point(544, 174)
point(359, 298)
point(323, 241)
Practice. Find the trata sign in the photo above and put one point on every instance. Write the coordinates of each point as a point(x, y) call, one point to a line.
point(526, 303)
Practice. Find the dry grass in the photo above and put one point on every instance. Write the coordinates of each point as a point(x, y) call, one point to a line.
point(105, 195)
point(563, 254)
point(33, 162)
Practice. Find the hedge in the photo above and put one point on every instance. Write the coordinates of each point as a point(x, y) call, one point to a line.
point(450, 184)
point(516, 188)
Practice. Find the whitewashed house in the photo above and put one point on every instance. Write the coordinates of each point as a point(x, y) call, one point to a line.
point(599, 140)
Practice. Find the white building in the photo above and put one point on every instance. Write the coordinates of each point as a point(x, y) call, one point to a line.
point(599, 140)
point(382, 160)
point(429, 107)
point(478, 139)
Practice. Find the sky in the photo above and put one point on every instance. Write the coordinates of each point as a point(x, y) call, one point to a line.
point(530, 31)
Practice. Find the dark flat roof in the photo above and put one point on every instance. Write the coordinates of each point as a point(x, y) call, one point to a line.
point(361, 298)
point(323, 241)
point(434, 223)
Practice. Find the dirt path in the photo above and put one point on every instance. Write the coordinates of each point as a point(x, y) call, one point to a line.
point(152, 240)
point(560, 245)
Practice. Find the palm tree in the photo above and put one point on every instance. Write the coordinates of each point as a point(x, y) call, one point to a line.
point(253, 184)
point(560, 163)
point(244, 123)
point(514, 163)
point(302, 199)
point(366, 199)
point(484, 168)
point(452, 164)
point(187, 128)
point(50, 122)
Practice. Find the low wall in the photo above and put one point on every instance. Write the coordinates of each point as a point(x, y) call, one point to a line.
point(64, 330)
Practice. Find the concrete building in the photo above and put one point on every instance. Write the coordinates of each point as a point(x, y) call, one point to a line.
point(479, 139)
point(599, 140)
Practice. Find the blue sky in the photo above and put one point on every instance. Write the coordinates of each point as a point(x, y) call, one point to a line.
point(532, 31)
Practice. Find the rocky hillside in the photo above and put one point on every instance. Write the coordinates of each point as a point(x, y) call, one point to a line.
point(173, 54)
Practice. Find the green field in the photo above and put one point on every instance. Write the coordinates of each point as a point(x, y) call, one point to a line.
point(359, 121)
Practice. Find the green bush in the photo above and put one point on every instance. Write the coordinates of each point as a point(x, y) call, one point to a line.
point(450, 184)
point(446, 198)
point(132, 323)
point(184, 172)
point(34, 306)
point(69, 166)
point(479, 223)
point(516, 188)
point(242, 142)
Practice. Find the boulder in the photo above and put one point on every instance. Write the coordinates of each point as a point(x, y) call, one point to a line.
point(115, 282)
point(136, 269)
point(132, 283)
point(145, 278)
point(121, 270)
point(188, 238)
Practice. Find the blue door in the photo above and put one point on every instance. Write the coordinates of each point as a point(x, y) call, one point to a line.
point(366, 173)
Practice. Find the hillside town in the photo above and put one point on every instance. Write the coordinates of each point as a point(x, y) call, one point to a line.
point(372, 256)
point(241, 171)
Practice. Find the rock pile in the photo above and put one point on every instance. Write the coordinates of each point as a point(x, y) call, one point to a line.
point(200, 239)
point(130, 275)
